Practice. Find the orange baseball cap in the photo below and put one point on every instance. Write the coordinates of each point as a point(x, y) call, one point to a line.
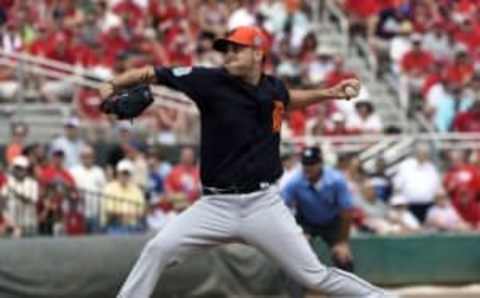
point(249, 36)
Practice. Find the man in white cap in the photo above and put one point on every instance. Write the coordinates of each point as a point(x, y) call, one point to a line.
point(20, 195)
point(70, 143)
point(123, 204)
point(90, 180)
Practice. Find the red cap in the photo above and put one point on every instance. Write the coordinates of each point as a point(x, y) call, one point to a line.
point(249, 36)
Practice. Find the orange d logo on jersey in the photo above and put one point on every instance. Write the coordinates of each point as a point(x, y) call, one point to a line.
point(277, 115)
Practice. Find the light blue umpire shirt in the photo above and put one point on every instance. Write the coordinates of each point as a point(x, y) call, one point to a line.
point(321, 202)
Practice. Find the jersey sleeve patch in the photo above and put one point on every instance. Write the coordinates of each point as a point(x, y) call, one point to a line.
point(181, 71)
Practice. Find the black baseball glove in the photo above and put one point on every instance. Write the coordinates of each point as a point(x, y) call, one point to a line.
point(128, 103)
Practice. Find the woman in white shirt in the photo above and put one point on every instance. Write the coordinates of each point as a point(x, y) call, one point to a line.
point(365, 120)
point(443, 217)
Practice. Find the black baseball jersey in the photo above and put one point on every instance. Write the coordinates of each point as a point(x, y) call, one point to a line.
point(240, 124)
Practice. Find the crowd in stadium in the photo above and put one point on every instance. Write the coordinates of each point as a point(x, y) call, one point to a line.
point(432, 50)
point(73, 186)
point(107, 37)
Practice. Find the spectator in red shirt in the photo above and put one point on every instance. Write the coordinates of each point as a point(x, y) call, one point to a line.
point(3, 178)
point(130, 12)
point(55, 90)
point(363, 16)
point(460, 175)
point(55, 171)
point(468, 121)
point(433, 78)
point(82, 53)
point(56, 184)
point(117, 43)
point(468, 34)
point(87, 102)
point(74, 219)
point(167, 10)
point(296, 121)
point(461, 70)
point(338, 73)
point(467, 204)
point(62, 50)
point(41, 45)
point(462, 182)
point(416, 61)
point(422, 17)
point(183, 181)
point(339, 126)
point(415, 66)
point(363, 9)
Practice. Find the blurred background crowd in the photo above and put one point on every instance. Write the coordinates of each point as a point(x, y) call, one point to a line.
point(431, 51)
point(103, 177)
point(70, 186)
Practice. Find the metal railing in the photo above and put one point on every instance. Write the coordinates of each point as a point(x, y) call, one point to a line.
point(83, 77)
point(64, 211)
point(393, 148)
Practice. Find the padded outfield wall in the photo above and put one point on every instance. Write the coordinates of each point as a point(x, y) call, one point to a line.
point(96, 266)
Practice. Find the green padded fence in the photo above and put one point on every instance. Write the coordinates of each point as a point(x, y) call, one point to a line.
point(426, 259)
point(96, 266)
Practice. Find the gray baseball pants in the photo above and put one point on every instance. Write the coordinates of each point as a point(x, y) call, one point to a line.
point(260, 219)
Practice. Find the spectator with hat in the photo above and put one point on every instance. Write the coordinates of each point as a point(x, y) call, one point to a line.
point(55, 170)
point(365, 120)
point(70, 142)
point(123, 205)
point(20, 195)
point(323, 205)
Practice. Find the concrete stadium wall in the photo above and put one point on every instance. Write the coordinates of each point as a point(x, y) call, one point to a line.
point(96, 266)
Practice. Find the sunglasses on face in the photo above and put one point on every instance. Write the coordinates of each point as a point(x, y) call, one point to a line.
point(235, 48)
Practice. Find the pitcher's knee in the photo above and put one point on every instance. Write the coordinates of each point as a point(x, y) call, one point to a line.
point(159, 248)
point(311, 278)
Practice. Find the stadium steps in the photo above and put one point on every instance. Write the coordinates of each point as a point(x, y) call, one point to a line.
point(384, 99)
point(44, 120)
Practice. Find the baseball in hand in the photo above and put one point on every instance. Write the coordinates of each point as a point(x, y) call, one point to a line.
point(351, 91)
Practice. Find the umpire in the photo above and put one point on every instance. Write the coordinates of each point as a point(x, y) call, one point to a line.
point(323, 205)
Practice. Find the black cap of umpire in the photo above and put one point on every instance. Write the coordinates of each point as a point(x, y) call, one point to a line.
point(311, 156)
